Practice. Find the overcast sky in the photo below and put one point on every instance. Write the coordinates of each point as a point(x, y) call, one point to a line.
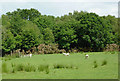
point(61, 7)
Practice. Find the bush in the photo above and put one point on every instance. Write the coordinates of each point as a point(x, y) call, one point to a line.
point(111, 47)
point(104, 63)
point(113, 52)
point(49, 49)
point(74, 50)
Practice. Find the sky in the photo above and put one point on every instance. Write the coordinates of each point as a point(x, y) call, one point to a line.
point(62, 7)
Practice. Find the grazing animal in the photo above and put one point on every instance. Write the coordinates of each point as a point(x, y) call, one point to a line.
point(86, 56)
point(66, 54)
point(28, 55)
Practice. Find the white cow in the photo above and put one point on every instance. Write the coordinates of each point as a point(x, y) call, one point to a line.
point(86, 56)
point(66, 54)
point(28, 55)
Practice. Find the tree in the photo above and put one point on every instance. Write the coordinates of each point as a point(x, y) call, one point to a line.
point(31, 36)
point(94, 32)
point(45, 22)
point(8, 41)
point(48, 36)
point(65, 35)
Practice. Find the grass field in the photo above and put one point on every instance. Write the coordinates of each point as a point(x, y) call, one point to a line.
point(81, 68)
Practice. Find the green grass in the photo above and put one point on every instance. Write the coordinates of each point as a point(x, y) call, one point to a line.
point(0, 69)
point(74, 66)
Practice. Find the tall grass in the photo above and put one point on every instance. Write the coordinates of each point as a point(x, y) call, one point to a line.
point(20, 67)
point(23, 67)
point(4, 68)
point(67, 66)
point(95, 64)
point(104, 62)
point(43, 68)
point(29, 68)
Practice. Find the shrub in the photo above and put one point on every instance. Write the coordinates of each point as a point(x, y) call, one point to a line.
point(62, 51)
point(74, 50)
point(111, 47)
point(112, 52)
point(4, 68)
point(49, 49)
point(104, 63)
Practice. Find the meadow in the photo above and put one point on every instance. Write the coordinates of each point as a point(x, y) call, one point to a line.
point(99, 65)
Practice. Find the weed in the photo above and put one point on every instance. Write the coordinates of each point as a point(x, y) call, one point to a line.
point(95, 61)
point(104, 63)
point(95, 64)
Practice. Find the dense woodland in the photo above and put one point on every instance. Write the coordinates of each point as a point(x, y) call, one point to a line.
point(27, 28)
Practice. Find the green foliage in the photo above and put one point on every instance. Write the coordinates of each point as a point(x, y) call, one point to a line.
point(93, 31)
point(65, 35)
point(8, 41)
point(27, 28)
point(31, 36)
point(48, 36)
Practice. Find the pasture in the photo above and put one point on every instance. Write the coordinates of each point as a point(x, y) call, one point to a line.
point(99, 65)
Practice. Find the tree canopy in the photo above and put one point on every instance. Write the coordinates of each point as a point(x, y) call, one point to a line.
point(27, 28)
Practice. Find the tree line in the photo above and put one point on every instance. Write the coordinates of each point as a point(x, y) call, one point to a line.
point(27, 28)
